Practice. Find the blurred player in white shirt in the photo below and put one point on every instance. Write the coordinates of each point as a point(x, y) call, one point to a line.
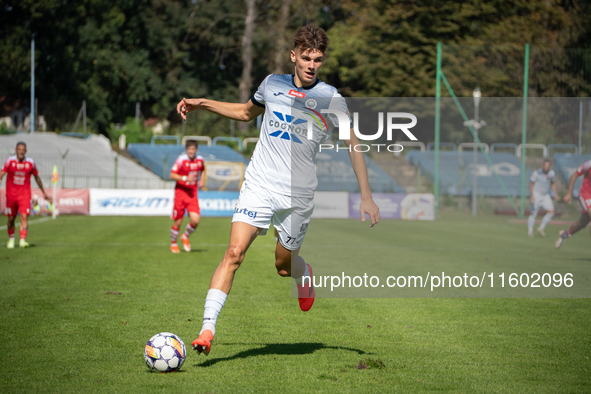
point(539, 189)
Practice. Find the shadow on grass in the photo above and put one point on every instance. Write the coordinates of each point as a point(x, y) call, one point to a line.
point(285, 349)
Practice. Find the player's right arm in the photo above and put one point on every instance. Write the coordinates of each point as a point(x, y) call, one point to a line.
point(571, 185)
point(4, 169)
point(185, 178)
point(583, 168)
point(241, 112)
point(531, 191)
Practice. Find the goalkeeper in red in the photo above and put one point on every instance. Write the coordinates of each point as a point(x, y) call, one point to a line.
point(185, 172)
point(584, 199)
point(18, 192)
point(281, 178)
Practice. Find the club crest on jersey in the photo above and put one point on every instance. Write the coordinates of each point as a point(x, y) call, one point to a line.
point(311, 104)
point(295, 93)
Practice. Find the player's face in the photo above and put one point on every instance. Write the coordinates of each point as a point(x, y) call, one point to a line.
point(307, 64)
point(191, 151)
point(546, 167)
point(21, 150)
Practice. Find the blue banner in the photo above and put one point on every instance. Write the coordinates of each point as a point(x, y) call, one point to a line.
point(217, 203)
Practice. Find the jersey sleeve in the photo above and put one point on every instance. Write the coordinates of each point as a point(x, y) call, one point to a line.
point(552, 177)
point(34, 170)
point(533, 176)
point(177, 165)
point(259, 97)
point(5, 166)
point(583, 168)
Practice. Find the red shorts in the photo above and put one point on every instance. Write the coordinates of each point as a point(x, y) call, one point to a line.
point(585, 199)
point(183, 201)
point(20, 204)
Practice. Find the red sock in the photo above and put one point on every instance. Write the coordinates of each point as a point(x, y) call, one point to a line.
point(10, 233)
point(23, 233)
point(174, 233)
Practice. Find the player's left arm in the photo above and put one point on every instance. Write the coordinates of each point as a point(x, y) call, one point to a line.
point(368, 206)
point(40, 184)
point(201, 182)
point(2, 175)
point(556, 196)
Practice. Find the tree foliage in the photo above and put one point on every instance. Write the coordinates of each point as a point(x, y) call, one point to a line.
point(115, 53)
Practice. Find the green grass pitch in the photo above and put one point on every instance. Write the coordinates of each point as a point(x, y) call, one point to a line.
point(77, 308)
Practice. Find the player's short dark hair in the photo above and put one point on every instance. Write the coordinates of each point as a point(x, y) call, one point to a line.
point(311, 37)
point(21, 143)
point(547, 161)
point(189, 143)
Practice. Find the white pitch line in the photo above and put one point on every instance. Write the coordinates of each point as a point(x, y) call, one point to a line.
point(158, 244)
point(30, 222)
point(116, 244)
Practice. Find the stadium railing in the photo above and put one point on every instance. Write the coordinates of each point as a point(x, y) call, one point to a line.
point(543, 147)
point(563, 146)
point(229, 139)
point(197, 138)
point(503, 145)
point(431, 146)
point(473, 146)
point(417, 144)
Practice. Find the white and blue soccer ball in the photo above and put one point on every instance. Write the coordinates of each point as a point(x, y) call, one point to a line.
point(165, 352)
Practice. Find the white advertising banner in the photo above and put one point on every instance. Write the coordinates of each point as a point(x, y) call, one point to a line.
point(331, 205)
point(126, 202)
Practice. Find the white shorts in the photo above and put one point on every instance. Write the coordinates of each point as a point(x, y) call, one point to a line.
point(543, 201)
point(290, 215)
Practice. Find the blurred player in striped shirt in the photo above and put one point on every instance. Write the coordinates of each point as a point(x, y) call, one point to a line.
point(584, 198)
point(185, 172)
point(18, 192)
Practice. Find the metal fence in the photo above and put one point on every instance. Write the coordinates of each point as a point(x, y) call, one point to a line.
point(96, 171)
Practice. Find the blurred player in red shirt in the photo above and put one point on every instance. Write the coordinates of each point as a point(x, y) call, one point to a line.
point(185, 172)
point(584, 199)
point(18, 191)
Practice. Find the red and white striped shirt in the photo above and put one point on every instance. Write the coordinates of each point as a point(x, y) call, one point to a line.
point(585, 169)
point(185, 166)
point(18, 179)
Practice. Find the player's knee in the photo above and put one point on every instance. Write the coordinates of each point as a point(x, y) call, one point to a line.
point(234, 255)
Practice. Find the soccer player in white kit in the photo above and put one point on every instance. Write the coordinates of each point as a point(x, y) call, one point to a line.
point(281, 177)
point(539, 189)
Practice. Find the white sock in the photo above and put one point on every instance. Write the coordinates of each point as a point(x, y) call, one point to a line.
point(213, 306)
point(299, 280)
point(531, 221)
point(174, 233)
point(547, 217)
point(189, 230)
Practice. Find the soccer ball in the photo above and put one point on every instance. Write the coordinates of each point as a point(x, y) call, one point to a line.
point(165, 352)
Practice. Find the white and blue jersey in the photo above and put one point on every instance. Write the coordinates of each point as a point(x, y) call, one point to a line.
point(542, 181)
point(284, 160)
